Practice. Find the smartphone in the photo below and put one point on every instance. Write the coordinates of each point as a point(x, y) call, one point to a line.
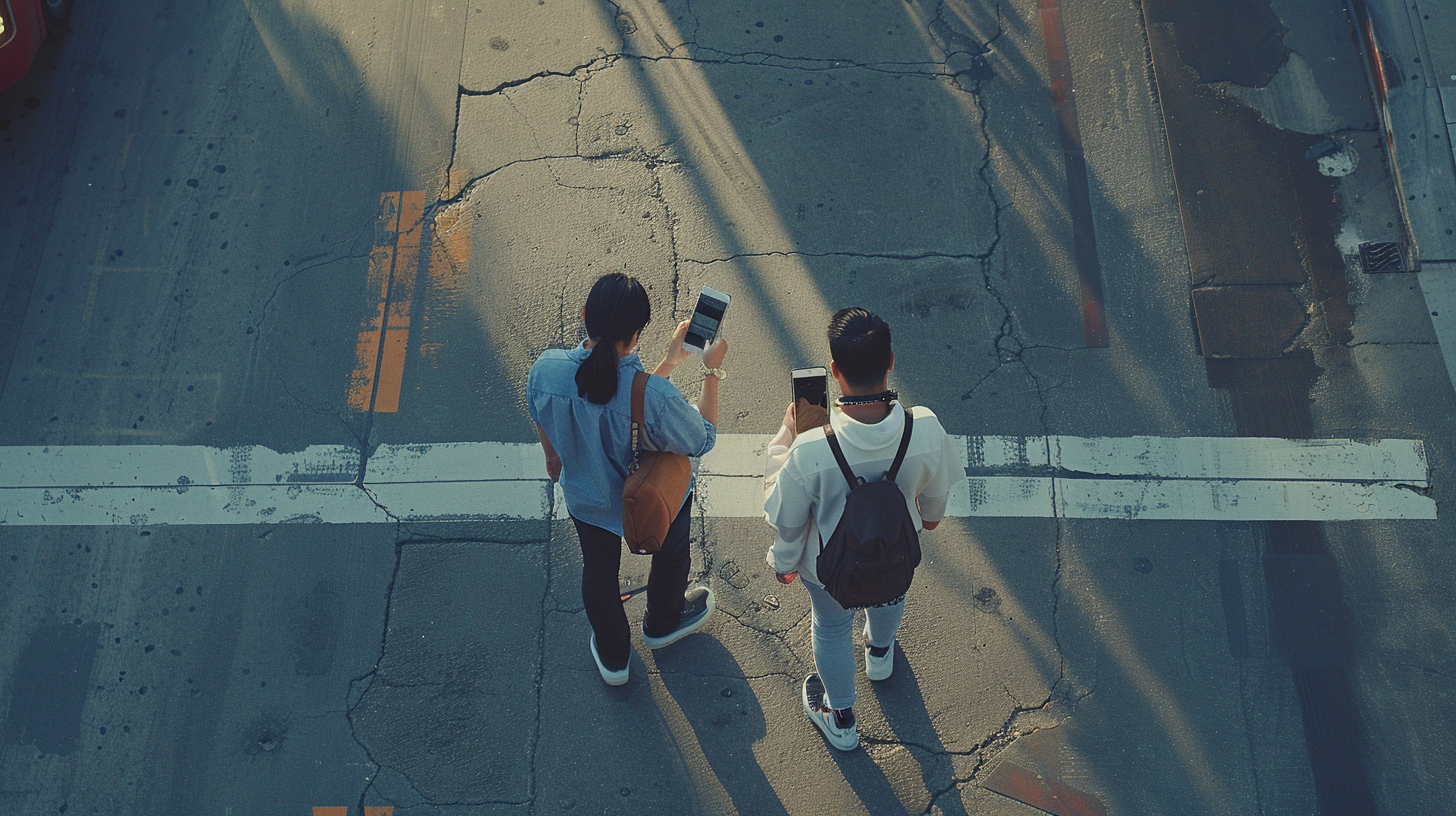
point(811, 398)
point(707, 317)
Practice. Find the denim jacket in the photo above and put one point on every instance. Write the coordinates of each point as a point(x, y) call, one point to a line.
point(595, 441)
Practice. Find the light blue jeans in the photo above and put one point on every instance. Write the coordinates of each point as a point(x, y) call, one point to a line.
point(834, 641)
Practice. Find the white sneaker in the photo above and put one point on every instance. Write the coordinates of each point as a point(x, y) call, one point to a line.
point(845, 737)
point(878, 667)
point(612, 678)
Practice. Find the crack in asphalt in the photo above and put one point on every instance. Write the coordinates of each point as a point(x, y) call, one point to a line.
point(516, 83)
point(540, 674)
point(710, 56)
point(351, 702)
point(1383, 343)
point(283, 384)
point(372, 677)
point(1008, 344)
point(1007, 328)
point(656, 194)
point(780, 635)
point(1010, 349)
point(263, 315)
point(718, 676)
point(1428, 670)
point(888, 256)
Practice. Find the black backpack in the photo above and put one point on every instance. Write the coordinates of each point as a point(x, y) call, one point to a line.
point(871, 557)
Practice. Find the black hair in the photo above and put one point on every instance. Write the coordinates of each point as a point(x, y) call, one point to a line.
point(616, 309)
point(859, 342)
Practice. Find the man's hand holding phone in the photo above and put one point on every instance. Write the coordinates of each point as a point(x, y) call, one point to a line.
point(808, 416)
point(811, 400)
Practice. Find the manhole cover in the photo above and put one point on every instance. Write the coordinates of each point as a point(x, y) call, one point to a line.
point(1383, 256)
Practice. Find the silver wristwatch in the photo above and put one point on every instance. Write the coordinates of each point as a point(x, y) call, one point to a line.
point(716, 372)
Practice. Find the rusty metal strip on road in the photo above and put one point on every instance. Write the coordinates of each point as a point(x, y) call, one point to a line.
point(1079, 191)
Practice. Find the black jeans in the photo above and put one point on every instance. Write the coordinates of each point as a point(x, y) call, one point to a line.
point(601, 563)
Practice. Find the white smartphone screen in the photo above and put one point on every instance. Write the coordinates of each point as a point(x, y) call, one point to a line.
point(707, 317)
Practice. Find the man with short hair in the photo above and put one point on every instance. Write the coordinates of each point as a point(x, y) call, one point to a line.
point(806, 493)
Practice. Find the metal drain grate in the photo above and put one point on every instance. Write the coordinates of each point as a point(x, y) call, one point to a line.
point(1383, 256)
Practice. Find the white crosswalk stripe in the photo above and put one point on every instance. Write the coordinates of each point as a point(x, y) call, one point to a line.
point(1144, 477)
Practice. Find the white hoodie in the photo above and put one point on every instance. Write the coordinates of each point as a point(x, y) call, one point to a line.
point(804, 490)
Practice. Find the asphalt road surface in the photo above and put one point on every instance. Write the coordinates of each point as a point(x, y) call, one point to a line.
point(274, 536)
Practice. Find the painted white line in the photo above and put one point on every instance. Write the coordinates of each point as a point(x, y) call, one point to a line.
point(1186, 457)
point(173, 465)
point(273, 504)
point(1205, 457)
point(455, 462)
point(1146, 499)
point(1239, 500)
point(249, 504)
point(1000, 453)
point(1231, 479)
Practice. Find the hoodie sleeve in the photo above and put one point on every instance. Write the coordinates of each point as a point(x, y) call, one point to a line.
point(786, 507)
point(935, 495)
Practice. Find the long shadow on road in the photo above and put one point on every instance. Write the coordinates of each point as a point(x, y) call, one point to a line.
point(710, 687)
point(903, 707)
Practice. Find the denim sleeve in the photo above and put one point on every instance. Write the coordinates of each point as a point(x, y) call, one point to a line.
point(674, 424)
point(531, 392)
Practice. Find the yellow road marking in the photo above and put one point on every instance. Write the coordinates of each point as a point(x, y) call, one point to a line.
point(384, 335)
point(404, 239)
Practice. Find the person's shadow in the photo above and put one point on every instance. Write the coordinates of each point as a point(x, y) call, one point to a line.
point(868, 780)
point(708, 685)
point(903, 707)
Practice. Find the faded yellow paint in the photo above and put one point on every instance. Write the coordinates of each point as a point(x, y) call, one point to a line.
point(380, 351)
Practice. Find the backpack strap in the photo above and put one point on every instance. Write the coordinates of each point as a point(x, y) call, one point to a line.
point(854, 481)
point(639, 395)
point(904, 446)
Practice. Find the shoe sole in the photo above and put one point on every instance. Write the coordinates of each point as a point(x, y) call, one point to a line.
point(668, 640)
point(611, 678)
point(828, 737)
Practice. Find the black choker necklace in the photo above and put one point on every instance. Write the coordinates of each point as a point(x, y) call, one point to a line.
point(867, 399)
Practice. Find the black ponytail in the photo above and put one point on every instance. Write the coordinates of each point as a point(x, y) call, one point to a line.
point(616, 309)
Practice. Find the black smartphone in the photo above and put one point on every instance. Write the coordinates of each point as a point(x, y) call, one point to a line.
point(811, 398)
point(707, 318)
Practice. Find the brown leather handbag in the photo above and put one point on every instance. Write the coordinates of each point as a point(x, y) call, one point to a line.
point(657, 483)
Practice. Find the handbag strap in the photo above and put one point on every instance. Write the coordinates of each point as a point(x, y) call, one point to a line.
point(639, 395)
point(856, 481)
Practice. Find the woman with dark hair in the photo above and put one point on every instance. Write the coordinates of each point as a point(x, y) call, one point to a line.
point(581, 402)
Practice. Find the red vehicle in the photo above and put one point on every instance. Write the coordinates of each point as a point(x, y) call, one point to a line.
point(23, 25)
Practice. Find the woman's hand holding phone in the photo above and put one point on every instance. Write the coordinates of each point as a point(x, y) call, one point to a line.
point(715, 352)
point(676, 354)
